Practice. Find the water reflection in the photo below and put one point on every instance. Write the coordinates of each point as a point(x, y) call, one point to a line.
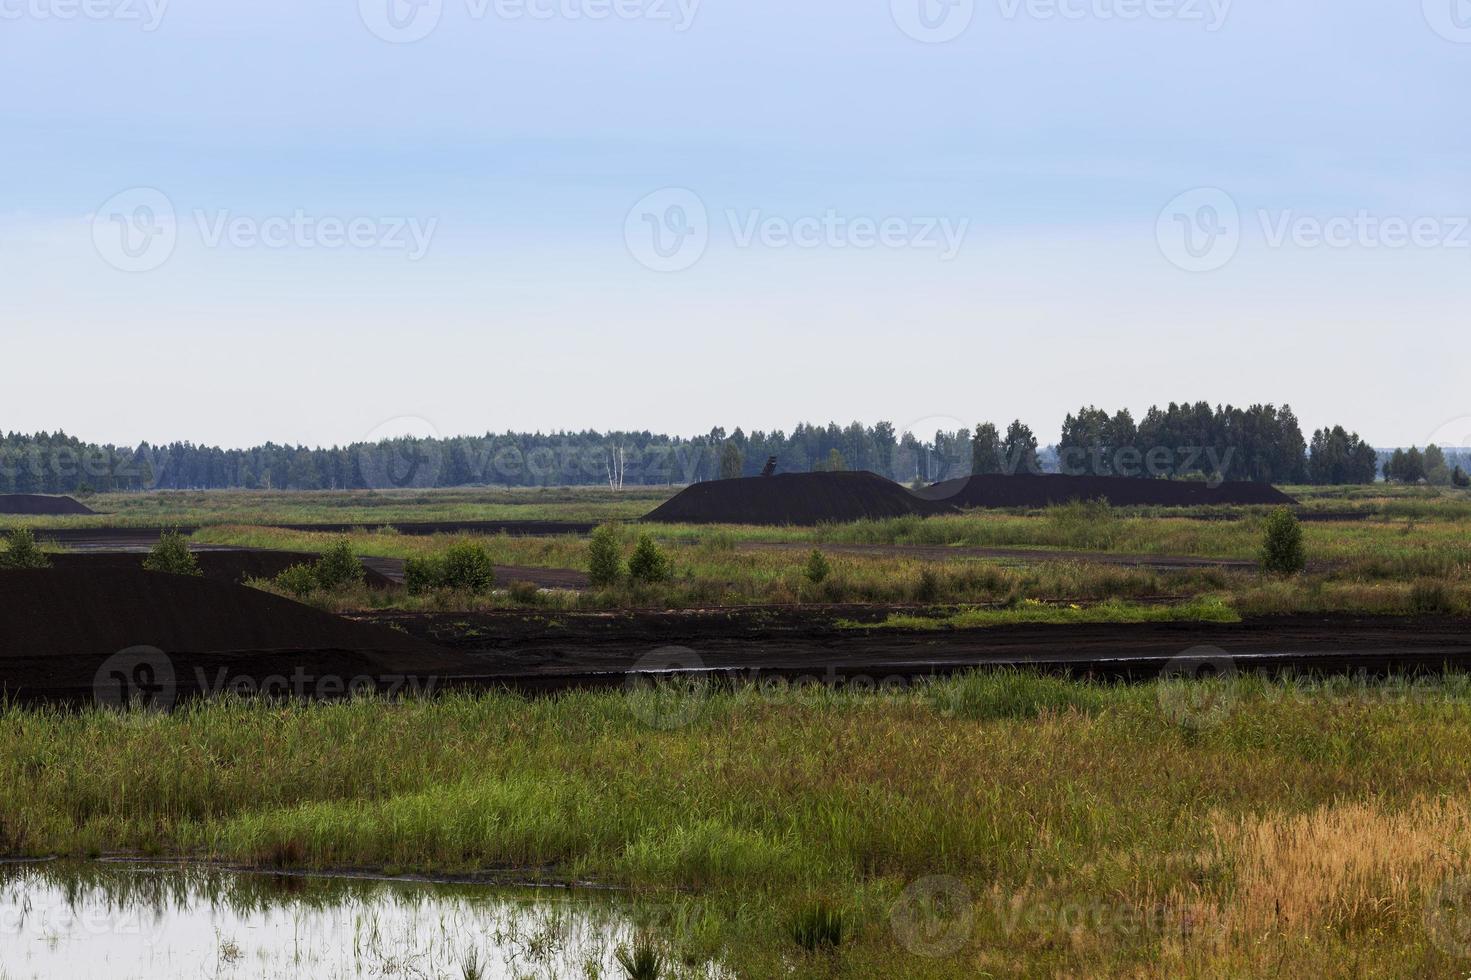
point(118, 922)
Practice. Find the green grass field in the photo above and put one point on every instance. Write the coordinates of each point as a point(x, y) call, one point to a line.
point(996, 825)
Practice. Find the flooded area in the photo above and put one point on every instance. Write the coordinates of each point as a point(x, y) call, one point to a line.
point(125, 921)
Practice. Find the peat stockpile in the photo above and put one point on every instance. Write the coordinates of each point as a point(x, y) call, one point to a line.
point(792, 498)
point(230, 567)
point(1026, 490)
point(62, 629)
point(40, 505)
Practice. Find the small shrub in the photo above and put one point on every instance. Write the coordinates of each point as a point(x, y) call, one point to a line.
point(21, 551)
point(467, 567)
point(817, 568)
point(641, 962)
point(423, 575)
point(818, 927)
point(172, 556)
point(525, 593)
point(299, 580)
point(339, 567)
point(604, 557)
point(1282, 551)
point(648, 563)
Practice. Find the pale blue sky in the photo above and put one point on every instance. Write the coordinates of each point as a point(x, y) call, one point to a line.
point(517, 146)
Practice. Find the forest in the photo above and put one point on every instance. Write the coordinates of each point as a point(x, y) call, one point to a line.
point(1180, 441)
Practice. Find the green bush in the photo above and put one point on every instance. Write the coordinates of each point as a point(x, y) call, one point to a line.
point(339, 567)
point(464, 567)
point(21, 551)
point(422, 574)
point(299, 580)
point(467, 567)
point(604, 557)
point(1282, 551)
point(817, 568)
point(172, 556)
point(648, 563)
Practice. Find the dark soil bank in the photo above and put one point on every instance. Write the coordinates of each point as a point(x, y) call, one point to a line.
point(61, 628)
point(597, 649)
point(1026, 490)
point(35, 504)
point(792, 498)
point(230, 567)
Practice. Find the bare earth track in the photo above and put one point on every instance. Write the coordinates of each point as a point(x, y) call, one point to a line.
point(526, 651)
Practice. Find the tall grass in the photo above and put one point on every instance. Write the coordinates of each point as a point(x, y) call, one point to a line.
point(1092, 834)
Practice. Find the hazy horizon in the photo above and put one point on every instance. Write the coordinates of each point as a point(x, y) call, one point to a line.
point(274, 222)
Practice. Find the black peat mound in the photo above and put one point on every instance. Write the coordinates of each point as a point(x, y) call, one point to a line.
point(1026, 490)
point(59, 627)
point(41, 505)
point(791, 498)
point(230, 567)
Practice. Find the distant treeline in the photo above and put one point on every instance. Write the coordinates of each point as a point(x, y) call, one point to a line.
point(1182, 441)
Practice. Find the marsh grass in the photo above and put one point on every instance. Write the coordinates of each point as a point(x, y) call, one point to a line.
point(1093, 835)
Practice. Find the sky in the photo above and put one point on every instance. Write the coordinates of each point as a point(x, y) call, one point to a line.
point(232, 222)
